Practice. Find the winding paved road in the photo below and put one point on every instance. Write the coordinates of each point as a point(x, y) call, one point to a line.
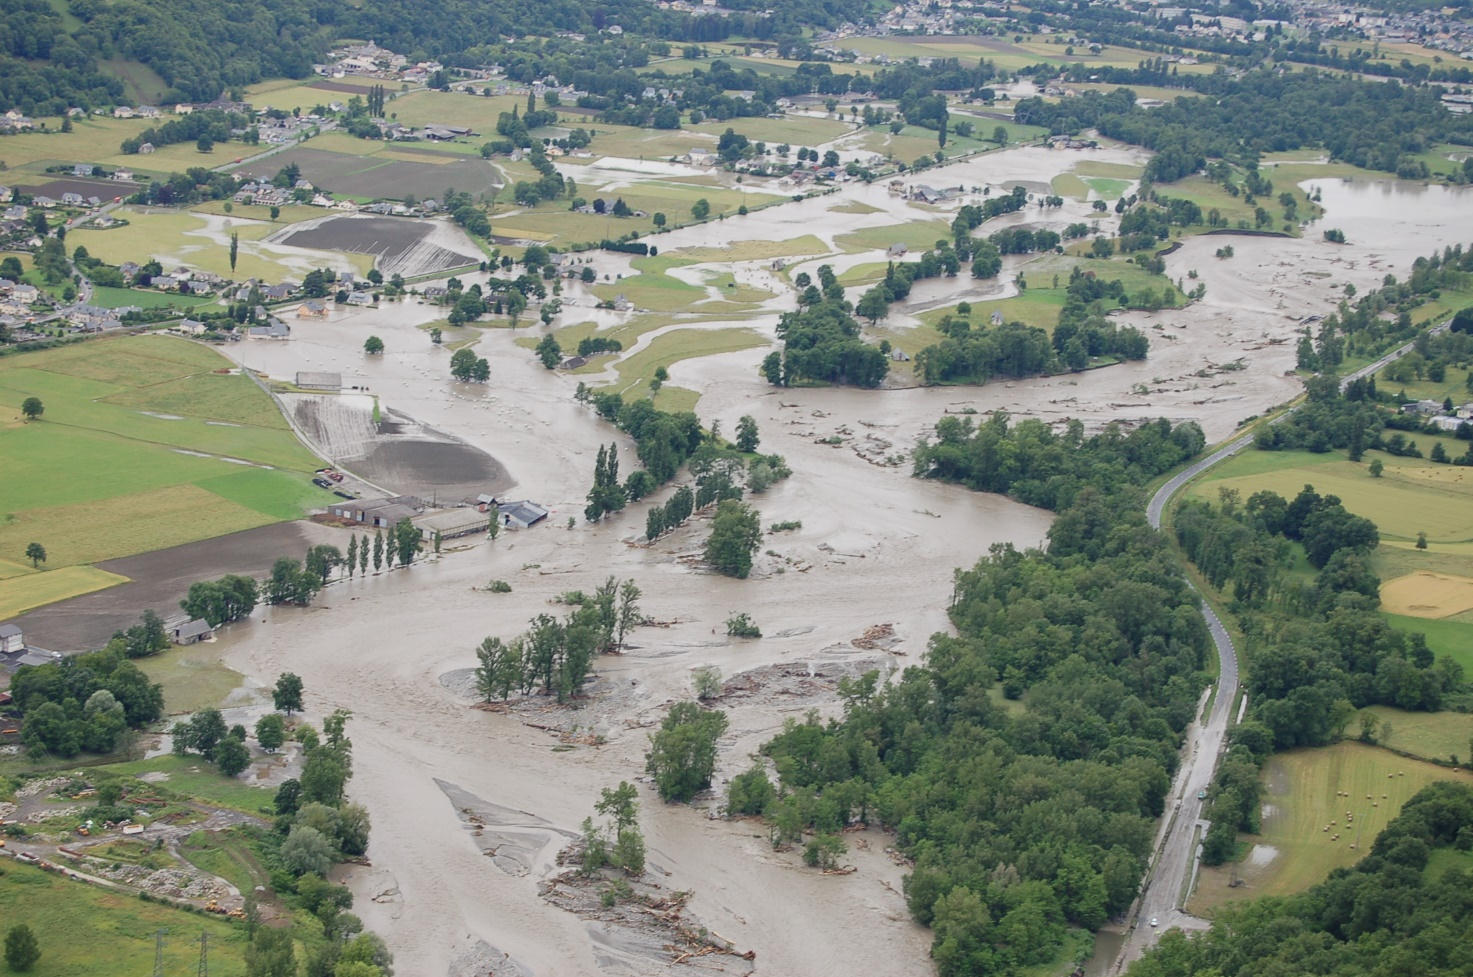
point(1174, 858)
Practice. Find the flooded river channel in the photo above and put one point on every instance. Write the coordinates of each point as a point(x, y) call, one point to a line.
point(876, 547)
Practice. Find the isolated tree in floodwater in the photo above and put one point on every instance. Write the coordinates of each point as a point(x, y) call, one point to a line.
point(287, 696)
point(747, 438)
point(682, 754)
point(736, 533)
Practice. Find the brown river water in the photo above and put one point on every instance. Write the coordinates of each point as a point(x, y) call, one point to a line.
point(876, 547)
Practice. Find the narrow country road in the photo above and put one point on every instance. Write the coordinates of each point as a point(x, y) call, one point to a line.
point(1174, 857)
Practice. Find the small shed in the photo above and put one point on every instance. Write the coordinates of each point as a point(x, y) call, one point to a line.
point(192, 632)
point(521, 514)
point(12, 639)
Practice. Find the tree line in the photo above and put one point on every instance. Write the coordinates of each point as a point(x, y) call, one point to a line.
point(1364, 123)
point(315, 828)
point(1031, 462)
point(1021, 823)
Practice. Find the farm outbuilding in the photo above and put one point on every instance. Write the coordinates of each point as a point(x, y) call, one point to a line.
point(450, 523)
point(319, 381)
point(520, 515)
point(12, 639)
point(191, 632)
point(377, 512)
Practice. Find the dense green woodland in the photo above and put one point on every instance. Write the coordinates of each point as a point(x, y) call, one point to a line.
point(1023, 821)
point(1030, 462)
point(1407, 908)
point(1366, 124)
point(1020, 824)
point(202, 48)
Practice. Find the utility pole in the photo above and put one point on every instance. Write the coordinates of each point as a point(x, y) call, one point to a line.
point(204, 954)
point(158, 954)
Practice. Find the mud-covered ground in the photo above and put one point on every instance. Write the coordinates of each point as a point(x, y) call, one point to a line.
point(157, 580)
point(876, 548)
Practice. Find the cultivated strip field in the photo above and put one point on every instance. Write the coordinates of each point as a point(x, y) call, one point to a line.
point(146, 442)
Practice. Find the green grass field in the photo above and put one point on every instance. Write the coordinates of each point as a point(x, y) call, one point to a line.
point(753, 250)
point(916, 235)
point(796, 132)
point(1450, 637)
point(193, 677)
point(668, 349)
point(91, 140)
point(141, 84)
point(228, 854)
point(37, 589)
point(554, 222)
point(115, 298)
point(653, 289)
point(87, 931)
point(1108, 181)
point(1004, 53)
point(195, 778)
point(864, 273)
point(1069, 185)
point(1443, 859)
point(1302, 793)
point(1412, 495)
point(135, 438)
point(178, 237)
point(1434, 735)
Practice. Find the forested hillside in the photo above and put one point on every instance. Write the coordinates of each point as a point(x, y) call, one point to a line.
point(201, 48)
point(1405, 909)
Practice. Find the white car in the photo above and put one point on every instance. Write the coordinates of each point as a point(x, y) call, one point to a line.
point(1154, 921)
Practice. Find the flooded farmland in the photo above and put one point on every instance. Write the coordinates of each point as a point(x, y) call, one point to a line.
point(875, 547)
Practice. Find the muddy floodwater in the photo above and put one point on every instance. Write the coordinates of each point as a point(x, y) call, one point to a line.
point(458, 896)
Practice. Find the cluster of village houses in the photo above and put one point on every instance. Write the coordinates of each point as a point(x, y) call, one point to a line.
point(1438, 27)
point(1435, 412)
point(17, 300)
